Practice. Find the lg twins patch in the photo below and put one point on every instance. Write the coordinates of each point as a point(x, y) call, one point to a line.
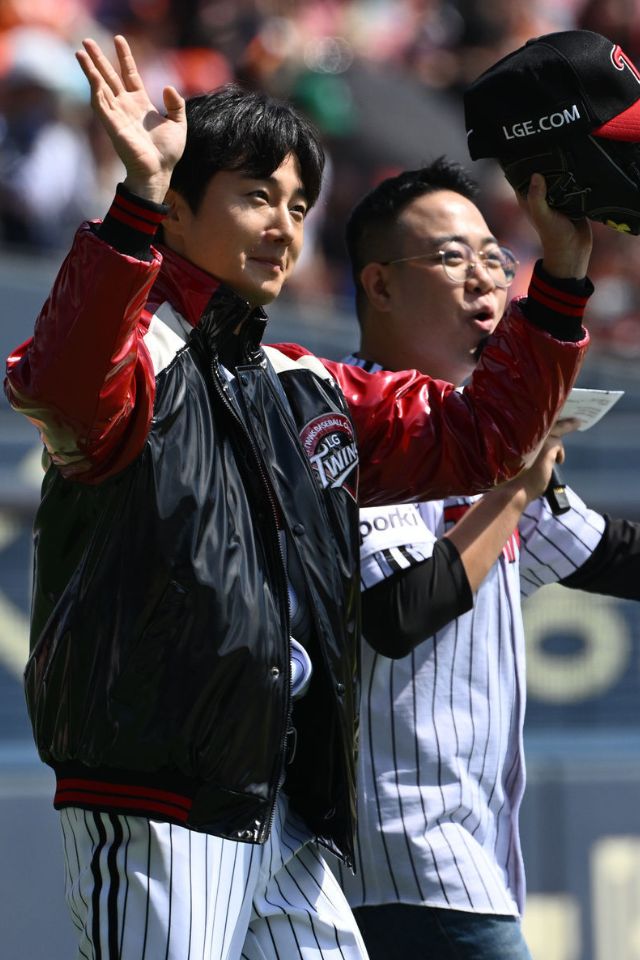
point(330, 445)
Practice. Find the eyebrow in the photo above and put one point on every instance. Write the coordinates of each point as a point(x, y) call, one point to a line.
point(463, 239)
point(271, 180)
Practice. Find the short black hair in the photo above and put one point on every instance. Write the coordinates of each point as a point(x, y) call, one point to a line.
point(236, 129)
point(370, 227)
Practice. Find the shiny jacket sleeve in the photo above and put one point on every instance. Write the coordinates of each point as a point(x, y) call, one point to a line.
point(420, 439)
point(85, 377)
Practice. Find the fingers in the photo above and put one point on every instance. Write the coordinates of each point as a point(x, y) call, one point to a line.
point(534, 205)
point(551, 447)
point(90, 72)
point(97, 68)
point(564, 426)
point(537, 192)
point(537, 205)
point(550, 450)
point(130, 76)
point(525, 198)
point(173, 103)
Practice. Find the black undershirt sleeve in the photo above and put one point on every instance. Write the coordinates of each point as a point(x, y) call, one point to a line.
point(614, 566)
point(415, 603)
point(131, 224)
point(556, 305)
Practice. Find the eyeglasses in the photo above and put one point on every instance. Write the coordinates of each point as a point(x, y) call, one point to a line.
point(460, 261)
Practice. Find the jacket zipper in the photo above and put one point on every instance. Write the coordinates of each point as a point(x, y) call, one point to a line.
point(275, 785)
point(345, 409)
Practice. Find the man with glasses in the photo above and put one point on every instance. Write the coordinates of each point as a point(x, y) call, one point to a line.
point(441, 771)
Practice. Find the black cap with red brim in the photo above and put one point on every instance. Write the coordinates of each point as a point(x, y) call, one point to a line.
point(553, 88)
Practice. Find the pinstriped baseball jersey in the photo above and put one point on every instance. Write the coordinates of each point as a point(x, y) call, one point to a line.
point(441, 762)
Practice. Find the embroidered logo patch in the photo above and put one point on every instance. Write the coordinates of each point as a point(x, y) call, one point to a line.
point(330, 445)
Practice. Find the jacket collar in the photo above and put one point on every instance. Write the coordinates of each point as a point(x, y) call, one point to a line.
point(207, 303)
point(190, 289)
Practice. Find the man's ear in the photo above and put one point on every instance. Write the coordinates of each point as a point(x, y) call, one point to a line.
point(174, 223)
point(374, 278)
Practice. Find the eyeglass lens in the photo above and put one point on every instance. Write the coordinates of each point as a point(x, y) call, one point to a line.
point(458, 259)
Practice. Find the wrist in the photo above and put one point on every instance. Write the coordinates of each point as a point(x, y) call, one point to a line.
point(154, 189)
point(566, 261)
point(514, 495)
point(561, 267)
point(131, 223)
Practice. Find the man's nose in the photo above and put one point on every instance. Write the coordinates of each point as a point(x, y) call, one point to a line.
point(282, 224)
point(479, 275)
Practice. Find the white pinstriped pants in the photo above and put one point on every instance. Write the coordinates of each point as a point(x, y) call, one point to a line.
point(142, 890)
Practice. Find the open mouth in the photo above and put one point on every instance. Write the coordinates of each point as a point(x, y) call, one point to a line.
point(482, 323)
point(482, 316)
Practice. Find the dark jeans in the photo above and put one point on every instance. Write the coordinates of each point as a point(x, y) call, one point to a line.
point(398, 931)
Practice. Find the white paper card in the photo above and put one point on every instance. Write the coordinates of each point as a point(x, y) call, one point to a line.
point(588, 405)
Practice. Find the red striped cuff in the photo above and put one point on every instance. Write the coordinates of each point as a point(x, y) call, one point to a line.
point(556, 299)
point(122, 798)
point(131, 223)
point(137, 213)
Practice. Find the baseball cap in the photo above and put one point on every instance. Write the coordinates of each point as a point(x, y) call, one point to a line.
point(553, 88)
point(566, 105)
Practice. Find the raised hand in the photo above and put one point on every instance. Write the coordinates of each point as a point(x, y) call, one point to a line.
point(148, 142)
point(566, 244)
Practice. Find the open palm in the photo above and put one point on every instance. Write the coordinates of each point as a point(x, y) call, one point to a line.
point(148, 142)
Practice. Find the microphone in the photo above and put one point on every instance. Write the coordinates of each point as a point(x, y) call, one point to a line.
point(556, 494)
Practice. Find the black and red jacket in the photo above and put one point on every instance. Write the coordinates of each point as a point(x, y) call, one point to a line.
point(158, 680)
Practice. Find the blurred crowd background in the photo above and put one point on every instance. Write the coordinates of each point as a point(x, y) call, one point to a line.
point(381, 79)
